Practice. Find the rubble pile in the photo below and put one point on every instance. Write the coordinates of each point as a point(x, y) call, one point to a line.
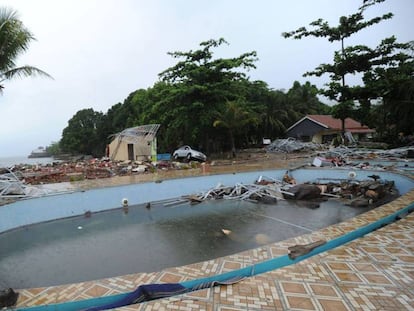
point(363, 193)
point(355, 193)
point(400, 159)
point(363, 153)
point(11, 187)
point(90, 169)
point(269, 193)
point(290, 145)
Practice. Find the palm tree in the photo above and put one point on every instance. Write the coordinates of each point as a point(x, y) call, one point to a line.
point(234, 118)
point(14, 40)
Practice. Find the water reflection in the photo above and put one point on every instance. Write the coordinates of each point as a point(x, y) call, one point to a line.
point(150, 239)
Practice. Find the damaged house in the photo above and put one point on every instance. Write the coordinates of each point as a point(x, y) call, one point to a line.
point(324, 128)
point(134, 144)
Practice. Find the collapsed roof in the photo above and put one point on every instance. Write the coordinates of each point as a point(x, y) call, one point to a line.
point(138, 133)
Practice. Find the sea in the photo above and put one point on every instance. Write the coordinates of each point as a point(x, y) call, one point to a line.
point(10, 161)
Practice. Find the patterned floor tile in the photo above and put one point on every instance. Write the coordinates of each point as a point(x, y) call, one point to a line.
point(300, 303)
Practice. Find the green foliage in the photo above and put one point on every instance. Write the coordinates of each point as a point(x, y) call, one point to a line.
point(81, 134)
point(14, 40)
point(384, 69)
point(198, 86)
point(343, 111)
point(349, 60)
point(235, 117)
point(393, 83)
point(347, 26)
point(53, 149)
point(201, 101)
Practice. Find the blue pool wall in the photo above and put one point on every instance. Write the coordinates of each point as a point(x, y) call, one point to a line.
point(30, 211)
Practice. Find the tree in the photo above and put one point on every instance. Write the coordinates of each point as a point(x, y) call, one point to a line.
point(304, 99)
point(346, 61)
point(343, 111)
point(53, 149)
point(199, 87)
point(14, 40)
point(234, 118)
point(391, 82)
point(271, 108)
point(81, 134)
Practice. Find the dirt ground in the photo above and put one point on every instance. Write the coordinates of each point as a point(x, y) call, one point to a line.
point(244, 162)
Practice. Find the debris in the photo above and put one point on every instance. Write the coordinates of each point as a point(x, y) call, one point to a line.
point(13, 187)
point(290, 145)
point(360, 202)
point(300, 250)
point(8, 297)
point(374, 177)
point(194, 199)
point(268, 193)
point(304, 192)
point(23, 180)
point(289, 179)
point(267, 190)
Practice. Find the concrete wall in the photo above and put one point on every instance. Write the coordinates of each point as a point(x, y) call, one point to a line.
point(118, 151)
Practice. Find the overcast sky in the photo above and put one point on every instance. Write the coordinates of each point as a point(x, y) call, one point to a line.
point(99, 51)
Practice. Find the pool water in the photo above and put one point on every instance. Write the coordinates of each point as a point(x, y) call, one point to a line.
point(147, 239)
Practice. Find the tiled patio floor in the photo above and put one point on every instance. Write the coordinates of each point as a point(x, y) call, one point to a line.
point(375, 272)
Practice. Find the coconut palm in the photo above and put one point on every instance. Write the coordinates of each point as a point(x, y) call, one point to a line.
point(14, 40)
point(234, 118)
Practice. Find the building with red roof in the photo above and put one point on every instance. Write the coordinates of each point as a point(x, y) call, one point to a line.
point(324, 128)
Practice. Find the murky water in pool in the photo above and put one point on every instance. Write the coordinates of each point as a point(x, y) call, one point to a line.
point(150, 239)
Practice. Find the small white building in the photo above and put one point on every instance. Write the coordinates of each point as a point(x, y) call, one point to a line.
point(135, 144)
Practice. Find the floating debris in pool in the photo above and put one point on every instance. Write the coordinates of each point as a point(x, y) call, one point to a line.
point(80, 227)
point(266, 190)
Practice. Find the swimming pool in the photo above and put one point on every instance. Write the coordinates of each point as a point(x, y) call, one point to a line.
point(171, 233)
point(113, 243)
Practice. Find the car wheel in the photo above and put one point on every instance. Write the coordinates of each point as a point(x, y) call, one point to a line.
point(175, 156)
point(188, 157)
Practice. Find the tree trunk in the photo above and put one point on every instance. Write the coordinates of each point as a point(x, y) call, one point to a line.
point(233, 145)
point(343, 56)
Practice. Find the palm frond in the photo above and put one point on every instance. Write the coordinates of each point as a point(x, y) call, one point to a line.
point(24, 71)
point(14, 40)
